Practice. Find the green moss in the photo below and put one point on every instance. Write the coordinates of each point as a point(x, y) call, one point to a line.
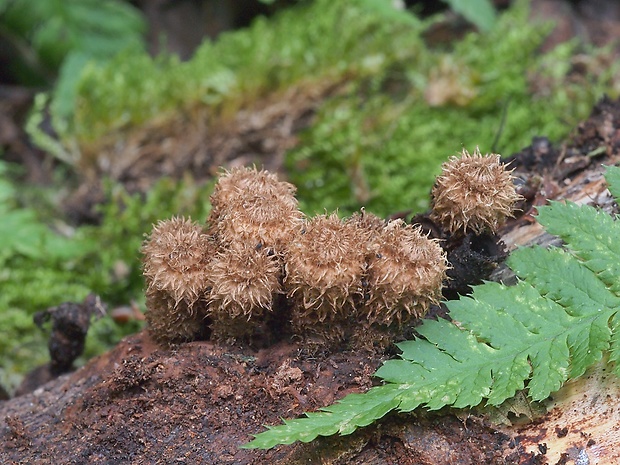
point(381, 145)
point(321, 40)
point(378, 143)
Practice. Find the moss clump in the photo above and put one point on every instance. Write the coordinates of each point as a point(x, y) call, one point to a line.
point(380, 143)
point(321, 40)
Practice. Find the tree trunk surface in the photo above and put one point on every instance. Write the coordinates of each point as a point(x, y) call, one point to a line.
point(198, 403)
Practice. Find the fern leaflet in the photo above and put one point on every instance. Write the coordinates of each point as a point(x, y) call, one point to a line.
point(551, 326)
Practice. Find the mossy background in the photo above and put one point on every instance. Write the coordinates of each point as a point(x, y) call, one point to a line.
point(376, 143)
point(44, 262)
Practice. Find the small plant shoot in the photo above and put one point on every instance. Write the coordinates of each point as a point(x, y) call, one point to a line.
point(557, 321)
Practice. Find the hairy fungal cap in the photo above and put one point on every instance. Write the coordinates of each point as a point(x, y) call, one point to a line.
point(241, 181)
point(245, 280)
point(253, 206)
point(324, 267)
point(473, 193)
point(405, 273)
point(175, 257)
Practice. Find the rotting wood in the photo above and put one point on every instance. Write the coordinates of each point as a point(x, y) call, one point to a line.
point(196, 404)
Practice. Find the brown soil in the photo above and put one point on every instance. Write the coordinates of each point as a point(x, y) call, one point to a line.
point(198, 403)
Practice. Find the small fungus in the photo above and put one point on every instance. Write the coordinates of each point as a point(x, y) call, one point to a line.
point(259, 267)
point(405, 273)
point(325, 265)
point(474, 193)
point(176, 255)
point(245, 280)
point(254, 207)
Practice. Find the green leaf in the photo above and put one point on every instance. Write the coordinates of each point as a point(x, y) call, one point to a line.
point(479, 12)
point(612, 176)
point(614, 350)
point(66, 88)
point(575, 286)
point(55, 28)
point(526, 329)
point(343, 417)
point(514, 335)
point(592, 235)
point(389, 10)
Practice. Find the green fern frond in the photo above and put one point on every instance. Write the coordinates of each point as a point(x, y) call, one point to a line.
point(551, 326)
point(612, 176)
point(591, 235)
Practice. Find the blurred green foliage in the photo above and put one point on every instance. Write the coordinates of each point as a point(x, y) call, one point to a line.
point(405, 108)
point(315, 42)
point(40, 268)
point(53, 39)
point(36, 271)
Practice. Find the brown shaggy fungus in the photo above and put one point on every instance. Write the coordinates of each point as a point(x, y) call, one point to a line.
point(175, 258)
point(325, 265)
point(245, 280)
point(474, 193)
point(170, 322)
point(404, 276)
point(254, 207)
point(369, 223)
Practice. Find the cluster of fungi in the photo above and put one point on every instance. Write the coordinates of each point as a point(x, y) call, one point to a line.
point(259, 269)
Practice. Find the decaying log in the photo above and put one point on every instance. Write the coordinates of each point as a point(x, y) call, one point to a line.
point(197, 403)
